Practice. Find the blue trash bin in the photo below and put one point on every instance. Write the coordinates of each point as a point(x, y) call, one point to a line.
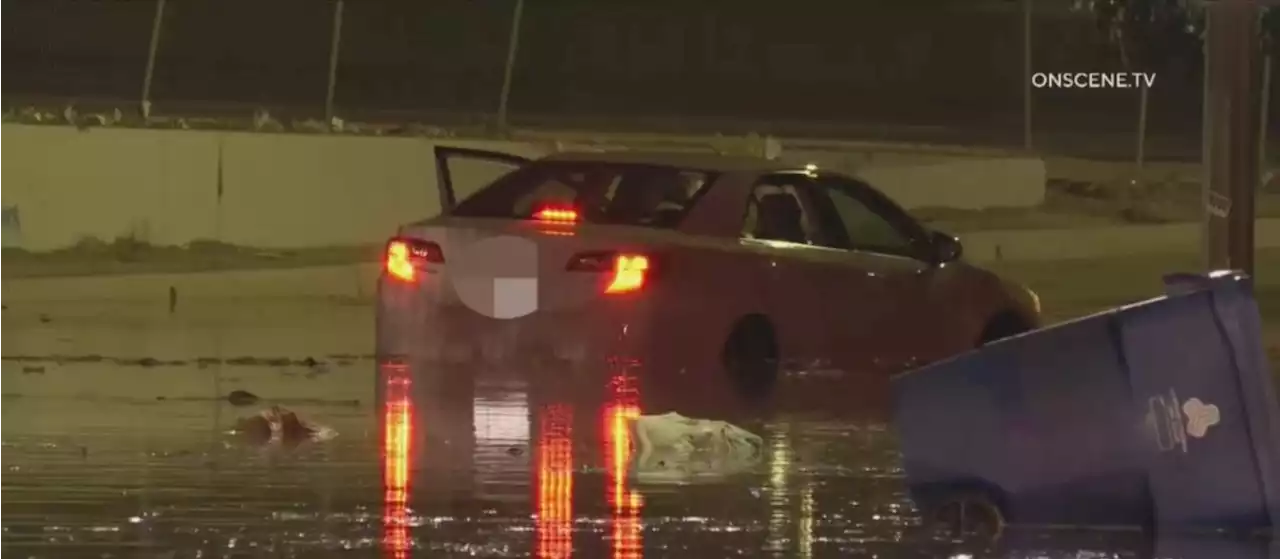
point(1209, 548)
point(1078, 544)
point(1029, 543)
point(1158, 414)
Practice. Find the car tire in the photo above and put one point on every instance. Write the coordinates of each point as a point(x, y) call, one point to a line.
point(1001, 326)
point(751, 357)
point(968, 515)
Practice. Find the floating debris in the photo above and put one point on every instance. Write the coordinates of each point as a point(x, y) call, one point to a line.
point(280, 426)
point(677, 450)
point(242, 398)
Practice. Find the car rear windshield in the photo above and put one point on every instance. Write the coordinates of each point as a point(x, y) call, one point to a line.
point(606, 193)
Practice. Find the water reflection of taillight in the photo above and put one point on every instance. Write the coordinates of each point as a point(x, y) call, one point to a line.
point(554, 524)
point(627, 529)
point(397, 437)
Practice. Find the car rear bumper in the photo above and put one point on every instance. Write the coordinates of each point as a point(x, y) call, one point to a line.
point(608, 331)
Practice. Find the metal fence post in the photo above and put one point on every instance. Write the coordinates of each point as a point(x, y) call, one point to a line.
point(335, 48)
point(1233, 58)
point(513, 48)
point(1140, 158)
point(1264, 115)
point(152, 50)
point(1207, 241)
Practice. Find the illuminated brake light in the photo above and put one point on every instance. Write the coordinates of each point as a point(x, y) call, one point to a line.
point(399, 264)
point(404, 256)
point(557, 215)
point(628, 273)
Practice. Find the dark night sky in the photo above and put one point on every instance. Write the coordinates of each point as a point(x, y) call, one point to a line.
point(816, 60)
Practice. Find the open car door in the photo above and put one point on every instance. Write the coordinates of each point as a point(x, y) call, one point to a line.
point(461, 172)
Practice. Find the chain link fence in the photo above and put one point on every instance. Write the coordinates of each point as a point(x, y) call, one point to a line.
point(947, 73)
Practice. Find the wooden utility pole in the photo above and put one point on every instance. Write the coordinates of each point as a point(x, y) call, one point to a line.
point(1232, 105)
point(1028, 132)
point(335, 52)
point(508, 70)
point(153, 49)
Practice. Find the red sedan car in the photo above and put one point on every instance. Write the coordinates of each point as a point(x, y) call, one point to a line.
point(693, 265)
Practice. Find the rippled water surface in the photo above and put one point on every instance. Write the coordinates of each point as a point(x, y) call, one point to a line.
point(115, 444)
point(502, 474)
point(110, 460)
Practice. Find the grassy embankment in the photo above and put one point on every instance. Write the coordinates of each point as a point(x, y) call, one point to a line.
point(1069, 206)
point(1072, 288)
point(127, 256)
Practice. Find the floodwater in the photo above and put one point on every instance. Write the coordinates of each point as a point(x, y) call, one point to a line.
point(116, 443)
point(144, 464)
point(110, 459)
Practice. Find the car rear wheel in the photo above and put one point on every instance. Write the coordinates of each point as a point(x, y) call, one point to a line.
point(1001, 326)
point(751, 357)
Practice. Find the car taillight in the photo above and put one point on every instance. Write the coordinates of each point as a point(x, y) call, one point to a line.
point(404, 256)
point(629, 272)
point(556, 214)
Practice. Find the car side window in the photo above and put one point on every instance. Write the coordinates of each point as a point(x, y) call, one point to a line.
point(860, 224)
point(775, 212)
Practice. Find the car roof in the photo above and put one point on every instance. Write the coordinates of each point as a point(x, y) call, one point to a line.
point(711, 162)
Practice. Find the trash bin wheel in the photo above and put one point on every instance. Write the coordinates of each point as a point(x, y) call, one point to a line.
point(750, 357)
point(968, 516)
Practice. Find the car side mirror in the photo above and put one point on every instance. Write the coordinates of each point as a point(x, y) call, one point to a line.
point(946, 248)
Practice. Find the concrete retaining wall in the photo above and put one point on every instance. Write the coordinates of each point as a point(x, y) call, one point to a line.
point(915, 175)
point(272, 190)
point(1008, 183)
point(933, 175)
point(172, 187)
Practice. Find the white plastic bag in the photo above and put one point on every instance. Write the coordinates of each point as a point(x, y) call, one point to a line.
point(674, 449)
